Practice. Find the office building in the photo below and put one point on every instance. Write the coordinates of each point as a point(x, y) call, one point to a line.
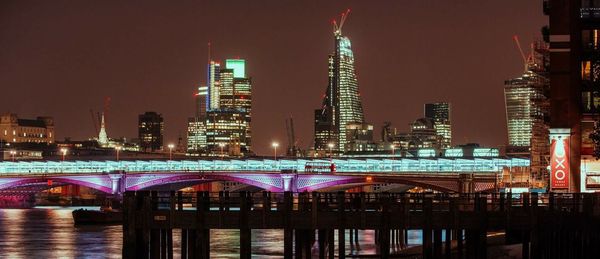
point(360, 138)
point(213, 79)
point(440, 114)
point(227, 133)
point(223, 126)
point(16, 130)
point(574, 75)
point(202, 100)
point(196, 135)
point(422, 135)
point(527, 111)
point(341, 104)
point(150, 132)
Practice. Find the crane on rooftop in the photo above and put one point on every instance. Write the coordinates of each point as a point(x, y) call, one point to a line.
point(337, 29)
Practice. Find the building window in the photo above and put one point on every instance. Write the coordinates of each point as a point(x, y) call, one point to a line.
point(585, 70)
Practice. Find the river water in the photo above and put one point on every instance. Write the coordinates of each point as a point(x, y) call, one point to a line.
point(48, 232)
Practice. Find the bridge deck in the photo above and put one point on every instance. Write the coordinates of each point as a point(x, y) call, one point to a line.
point(424, 165)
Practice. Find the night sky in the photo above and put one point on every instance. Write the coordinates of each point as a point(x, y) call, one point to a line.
point(62, 58)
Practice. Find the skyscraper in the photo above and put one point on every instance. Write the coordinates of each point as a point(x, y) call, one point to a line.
point(341, 105)
point(440, 114)
point(213, 79)
point(224, 126)
point(150, 131)
point(196, 129)
point(202, 100)
point(527, 109)
point(227, 133)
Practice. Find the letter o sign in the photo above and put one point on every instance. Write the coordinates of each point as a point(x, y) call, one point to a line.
point(559, 175)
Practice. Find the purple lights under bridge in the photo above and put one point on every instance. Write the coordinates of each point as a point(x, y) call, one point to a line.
point(117, 183)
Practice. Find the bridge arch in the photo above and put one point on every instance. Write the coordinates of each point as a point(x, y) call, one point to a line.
point(328, 182)
point(9, 183)
point(147, 181)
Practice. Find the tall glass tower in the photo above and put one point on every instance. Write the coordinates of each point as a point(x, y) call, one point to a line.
point(342, 104)
point(527, 110)
point(440, 114)
point(213, 81)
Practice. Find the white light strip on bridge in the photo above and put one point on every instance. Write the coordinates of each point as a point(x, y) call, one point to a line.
point(342, 165)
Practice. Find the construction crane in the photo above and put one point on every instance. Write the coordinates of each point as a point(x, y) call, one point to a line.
point(337, 30)
point(106, 107)
point(94, 122)
point(292, 149)
point(527, 59)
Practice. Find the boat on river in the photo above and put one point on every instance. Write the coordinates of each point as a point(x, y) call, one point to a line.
point(104, 216)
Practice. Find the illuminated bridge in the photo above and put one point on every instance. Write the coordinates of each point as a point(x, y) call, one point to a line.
point(115, 177)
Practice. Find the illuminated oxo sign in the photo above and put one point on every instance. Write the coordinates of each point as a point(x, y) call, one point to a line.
point(559, 158)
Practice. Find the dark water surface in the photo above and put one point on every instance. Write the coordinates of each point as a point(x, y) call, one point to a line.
point(48, 232)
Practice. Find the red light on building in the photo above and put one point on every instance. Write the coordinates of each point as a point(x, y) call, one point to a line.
point(49, 182)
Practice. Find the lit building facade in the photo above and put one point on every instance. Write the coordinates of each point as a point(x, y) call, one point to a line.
point(574, 75)
point(196, 135)
point(16, 130)
point(213, 73)
point(360, 138)
point(342, 104)
point(440, 114)
point(223, 127)
point(527, 111)
point(226, 133)
point(196, 128)
point(202, 101)
point(150, 131)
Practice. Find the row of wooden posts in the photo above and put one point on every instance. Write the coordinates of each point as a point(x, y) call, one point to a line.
point(547, 226)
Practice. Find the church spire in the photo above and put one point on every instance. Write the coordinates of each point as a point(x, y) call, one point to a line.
point(102, 136)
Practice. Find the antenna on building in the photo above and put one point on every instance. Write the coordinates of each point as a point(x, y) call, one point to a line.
point(209, 52)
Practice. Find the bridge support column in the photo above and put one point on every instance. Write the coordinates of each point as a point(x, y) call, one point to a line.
point(118, 182)
point(289, 183)
point(465, 183)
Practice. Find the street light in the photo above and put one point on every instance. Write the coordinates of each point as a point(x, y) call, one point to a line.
point(222, 145)
point(170, 146)
point(330, 145)
point(275, 145)
point(63, 152)
point(12, 154)
point(118, 148)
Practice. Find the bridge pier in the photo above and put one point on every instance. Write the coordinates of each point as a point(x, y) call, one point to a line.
point(289, 183)
point(465, 183)
point(117, 183)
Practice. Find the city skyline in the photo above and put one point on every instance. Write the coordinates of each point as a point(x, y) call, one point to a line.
point(162, 75)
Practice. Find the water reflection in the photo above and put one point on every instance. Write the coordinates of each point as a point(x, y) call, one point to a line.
point(48, 232)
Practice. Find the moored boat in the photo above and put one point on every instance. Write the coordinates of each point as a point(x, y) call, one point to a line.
point(106, 216)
